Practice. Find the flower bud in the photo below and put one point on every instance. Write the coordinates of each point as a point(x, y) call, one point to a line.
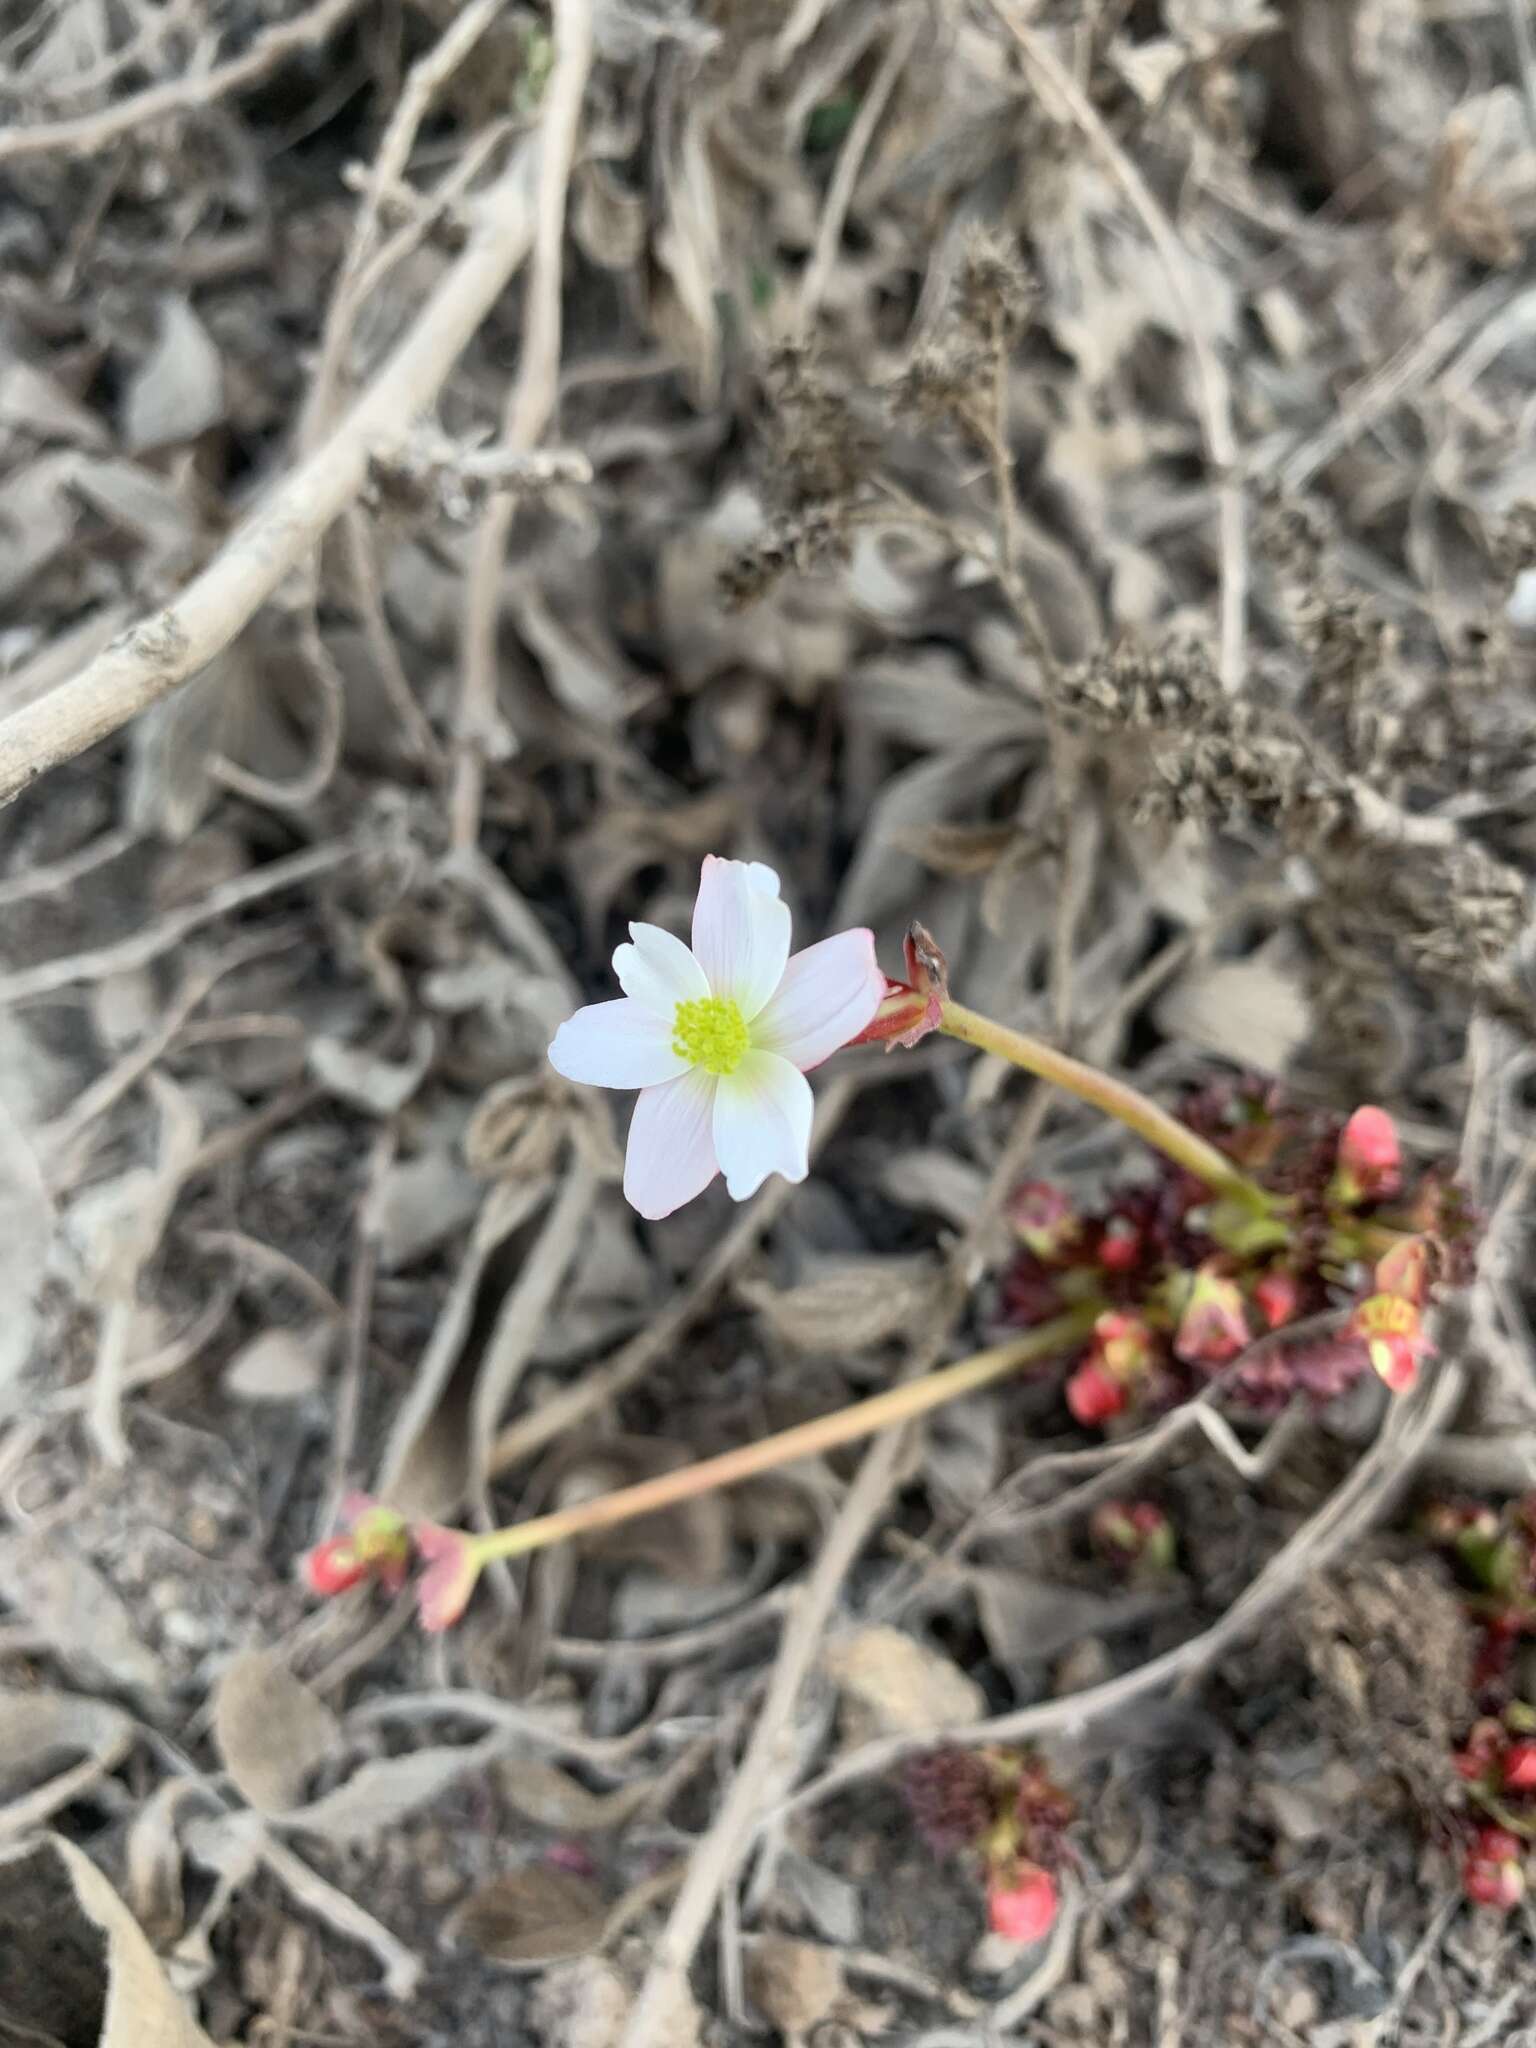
point(1519, 1767)
point(1492, 1874)
point(1277, 1296)
point(1135, 1535)
point(334, 1567)
point(1370, 1158)
point(1045, 1220)
point(911, 1009)
point(1124, 1344)
point(1119, 1245)
point(1405, 1270)
point(1212, 1329)
point(376, 1545)
point(1094, 1395)
point(1024, 1908)
point(1393, 1335)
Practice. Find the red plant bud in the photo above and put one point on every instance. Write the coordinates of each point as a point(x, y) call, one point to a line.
point(1492, 1874)
point(1120, 1246)
point(1134, 1533)
point(1212, 1329)
point(1123, 1344)
point(452, 1569)
point(1044, 1219)
point(334, 1567)
point(1405, 1270)
point(1370, 1157)
point(1277, 1296)
point(1094, 1395)
point(1024, 1909)
point(1520, 1767)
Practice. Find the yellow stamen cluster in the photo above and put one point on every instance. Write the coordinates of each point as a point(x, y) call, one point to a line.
point(710, 1032)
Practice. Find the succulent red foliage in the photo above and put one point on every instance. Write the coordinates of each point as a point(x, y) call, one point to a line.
point(951, 1796)
point(1002, 1809)
point(1200, 1278)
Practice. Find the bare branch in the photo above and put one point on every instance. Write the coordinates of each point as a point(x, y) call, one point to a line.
point(85, 134)
point(170, 647)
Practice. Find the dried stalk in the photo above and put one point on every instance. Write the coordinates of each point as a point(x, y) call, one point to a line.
point(168, 648)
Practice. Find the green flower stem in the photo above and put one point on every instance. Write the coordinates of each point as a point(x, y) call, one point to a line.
point(1114, 1098)
point(844, 1426)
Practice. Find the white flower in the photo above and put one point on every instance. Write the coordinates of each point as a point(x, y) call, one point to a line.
point(718, 1039)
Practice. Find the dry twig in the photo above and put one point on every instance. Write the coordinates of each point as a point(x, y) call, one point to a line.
point(85, 134)
point(529, 405)
point(168, 648)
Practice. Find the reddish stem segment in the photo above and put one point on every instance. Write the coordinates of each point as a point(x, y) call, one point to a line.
point(1127, 1105)
point(846, 1425)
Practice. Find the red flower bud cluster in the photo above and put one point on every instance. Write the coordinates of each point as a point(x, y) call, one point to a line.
point(378, 1544)
point(1001, 1809)
point(1186, 1282)
point(1494, 1554)
point(375, 1544)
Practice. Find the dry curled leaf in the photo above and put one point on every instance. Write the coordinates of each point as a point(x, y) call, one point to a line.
point(74, 1967)
point(26, 1232)
point(852, 1304)
point(1253, 1012)
point(77, 1613)
point(178, 390)
point(271, 1730)
point(543, 1793)
point(891, 1684)
point(382, 1793)
point(39, 1733)
point(795, 1984)
point(280, 1365)
point(367, 1081)
point(689, 1543)
point(531, 1917)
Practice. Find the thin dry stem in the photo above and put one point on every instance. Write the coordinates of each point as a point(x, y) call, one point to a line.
point(1213, 390)
point(1412, 1426)
point(713, 1864)
point(565, 1411)
point(85, 134)
point(141, 947)
point(175, 643)
point(425, 80)
point(834, 212)
point(1115, 1098)
point(900, 1404)
point(530, 403)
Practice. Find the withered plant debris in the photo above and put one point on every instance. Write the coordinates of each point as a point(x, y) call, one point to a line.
point(842, 488)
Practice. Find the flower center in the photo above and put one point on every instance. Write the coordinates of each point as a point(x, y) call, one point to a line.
point(710, 1032)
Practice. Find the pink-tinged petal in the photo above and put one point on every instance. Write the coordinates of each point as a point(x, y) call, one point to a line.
point(442, 1592)
point(671, 1155)
point(829, 994)
point(659, 971)
point(616, 1045)
point(762, 1123)
point(740, 931)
